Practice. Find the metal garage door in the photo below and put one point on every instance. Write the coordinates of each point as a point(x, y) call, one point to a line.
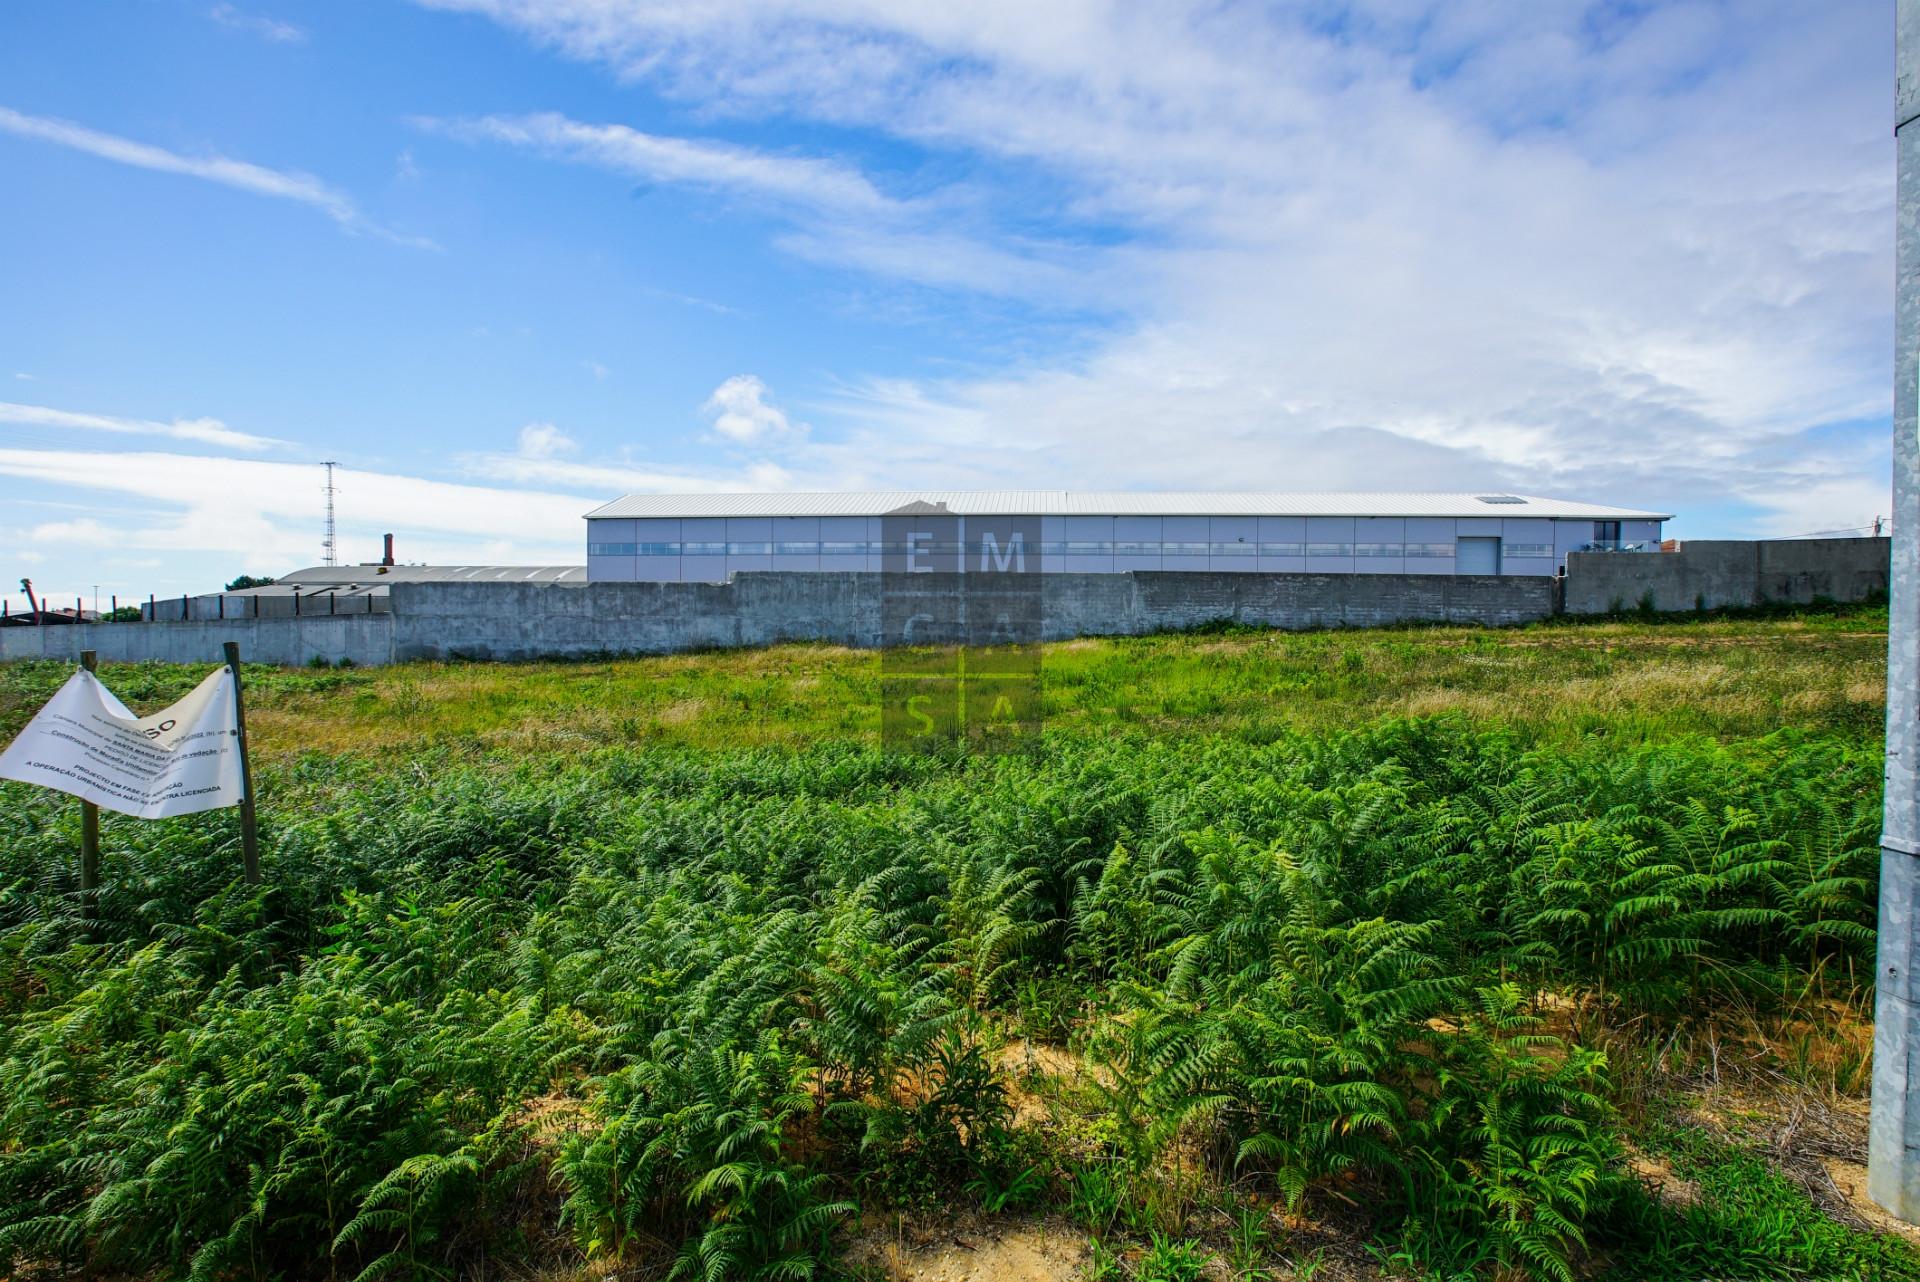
point(1476, 556)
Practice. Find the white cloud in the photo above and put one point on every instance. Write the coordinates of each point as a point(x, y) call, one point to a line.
point(269, 29)
point(85, 532)
point(691, 300)
point(207, 431)
point(819, 184)
point(24, 377)
point(603, 480)
point(741, 412)
point(596, 369)
point(841, 218)
point(196, 521)
point(544, 441)
point(271, 512)
point(281, 184)
point(1637, 256)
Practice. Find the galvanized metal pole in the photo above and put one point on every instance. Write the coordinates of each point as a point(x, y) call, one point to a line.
point(1893, 1148)
point(89, 843)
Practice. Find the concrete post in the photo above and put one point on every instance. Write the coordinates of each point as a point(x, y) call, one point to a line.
point(1893, 1150)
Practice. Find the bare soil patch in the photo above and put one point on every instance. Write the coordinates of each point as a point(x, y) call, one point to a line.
point(1033, 1251)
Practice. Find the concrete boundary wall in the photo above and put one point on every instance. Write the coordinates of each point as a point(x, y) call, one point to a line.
point(1713, 574)
point(363, 639)
point(521, 620)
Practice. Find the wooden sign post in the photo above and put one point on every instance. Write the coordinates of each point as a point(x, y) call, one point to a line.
point(186, 758)
point(89, 840)
point(249, 829)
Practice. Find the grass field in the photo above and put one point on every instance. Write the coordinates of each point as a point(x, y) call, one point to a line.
point(1824, 674)
point(1432, 953)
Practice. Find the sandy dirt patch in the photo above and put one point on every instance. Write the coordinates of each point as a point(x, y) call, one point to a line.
point(1850, 1178)
point(1020, 1253)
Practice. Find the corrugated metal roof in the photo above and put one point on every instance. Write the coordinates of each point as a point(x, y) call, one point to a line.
point(379, 576)
point(1113, 503)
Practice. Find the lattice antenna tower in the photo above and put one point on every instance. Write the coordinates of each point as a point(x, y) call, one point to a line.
point(328, 548)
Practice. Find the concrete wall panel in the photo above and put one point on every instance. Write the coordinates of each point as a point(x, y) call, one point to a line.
point(365, 640)
point(490, 619)
point(1715, 573)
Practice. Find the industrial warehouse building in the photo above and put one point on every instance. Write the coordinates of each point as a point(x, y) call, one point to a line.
point(690, 573)
point(707, 538)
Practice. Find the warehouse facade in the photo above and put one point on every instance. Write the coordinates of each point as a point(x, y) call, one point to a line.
point(707, 538)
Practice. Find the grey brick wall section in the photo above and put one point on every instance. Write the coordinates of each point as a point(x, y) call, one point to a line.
point(288, 642)
point(1715, 574)
point(520, 621)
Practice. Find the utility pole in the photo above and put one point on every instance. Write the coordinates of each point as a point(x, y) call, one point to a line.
point(329, 554)
point(1893, 1145)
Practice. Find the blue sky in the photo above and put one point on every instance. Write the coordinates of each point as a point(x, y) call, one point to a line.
point(504, 259)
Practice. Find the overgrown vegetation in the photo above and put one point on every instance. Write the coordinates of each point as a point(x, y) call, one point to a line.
point(1426, 976)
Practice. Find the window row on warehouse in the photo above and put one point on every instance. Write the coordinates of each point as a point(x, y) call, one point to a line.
point(1070, 547)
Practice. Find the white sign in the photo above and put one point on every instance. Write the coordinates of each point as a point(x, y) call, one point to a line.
point(174, 762)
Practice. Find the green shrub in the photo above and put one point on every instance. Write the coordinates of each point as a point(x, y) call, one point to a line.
point(754, 985)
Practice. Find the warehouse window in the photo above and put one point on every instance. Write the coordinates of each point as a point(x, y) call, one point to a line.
point(1430, 549)
point(750, 549)
point(1136, 548)
point(1236, 549)
point(1089, 547)
point(1329, 549)
point(1184, 549)
point(610, 549)
point(797, 549)
point(1283, 549)
point(843, 549)
point(1527, 549)
point(657, 549)
point(1379, 549)
point(704, 549)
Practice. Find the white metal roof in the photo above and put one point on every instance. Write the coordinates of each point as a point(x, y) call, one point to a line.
point(378, 576)
point(1113, 503)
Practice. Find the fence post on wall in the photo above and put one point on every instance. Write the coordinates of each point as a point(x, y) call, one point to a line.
point(89, 843)
point(249, 827)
